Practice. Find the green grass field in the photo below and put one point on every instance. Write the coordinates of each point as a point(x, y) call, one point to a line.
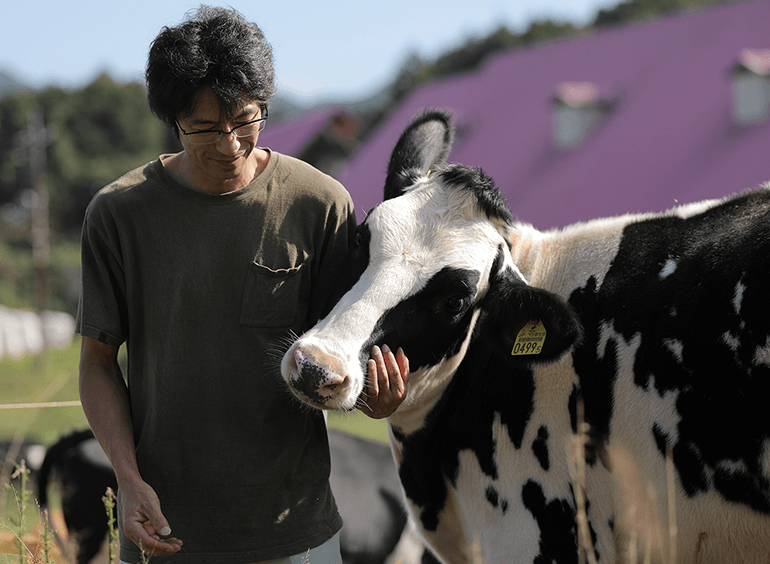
point(49, 377)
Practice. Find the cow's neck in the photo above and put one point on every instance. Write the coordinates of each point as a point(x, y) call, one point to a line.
point(560, 260)
point(425, 388)
point(490, 409)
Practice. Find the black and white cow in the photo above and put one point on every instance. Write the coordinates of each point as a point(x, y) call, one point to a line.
point(672, 364)
point(369, 498)
point(77, 465)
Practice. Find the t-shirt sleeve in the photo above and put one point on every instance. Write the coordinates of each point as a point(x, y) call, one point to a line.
point(102, 307)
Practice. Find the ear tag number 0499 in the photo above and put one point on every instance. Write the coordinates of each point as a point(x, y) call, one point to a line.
point(530, 339)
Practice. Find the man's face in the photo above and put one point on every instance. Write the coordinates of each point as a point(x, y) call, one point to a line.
point(227, 164)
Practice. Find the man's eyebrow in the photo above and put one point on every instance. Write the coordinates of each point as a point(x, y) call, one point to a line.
point(199, 121)
point(248, 110)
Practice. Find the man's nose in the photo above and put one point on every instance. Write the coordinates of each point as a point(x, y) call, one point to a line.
point(228, 143)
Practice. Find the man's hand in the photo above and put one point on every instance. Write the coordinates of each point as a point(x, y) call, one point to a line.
point(386, 382)
point(144, 524)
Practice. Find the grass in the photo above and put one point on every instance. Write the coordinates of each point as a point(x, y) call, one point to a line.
point(49, 377)
point(359, 424)
point(25, 534)
point(110, 505)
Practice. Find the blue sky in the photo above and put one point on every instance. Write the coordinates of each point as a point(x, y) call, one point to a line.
point(336, 49)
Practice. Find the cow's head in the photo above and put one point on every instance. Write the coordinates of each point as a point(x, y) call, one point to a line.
point(430, 271)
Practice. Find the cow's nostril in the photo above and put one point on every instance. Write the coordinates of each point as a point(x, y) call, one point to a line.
point(333, 385)
point(298, 357)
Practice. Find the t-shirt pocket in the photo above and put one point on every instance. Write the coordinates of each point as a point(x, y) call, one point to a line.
point(272, 297)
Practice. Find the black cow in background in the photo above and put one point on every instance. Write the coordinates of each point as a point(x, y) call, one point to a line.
point(83, 473)
point(363, 479)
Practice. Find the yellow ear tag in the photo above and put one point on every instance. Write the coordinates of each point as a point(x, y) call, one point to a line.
point(530, 339)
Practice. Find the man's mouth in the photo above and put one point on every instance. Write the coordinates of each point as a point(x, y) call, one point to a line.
point(229, 162)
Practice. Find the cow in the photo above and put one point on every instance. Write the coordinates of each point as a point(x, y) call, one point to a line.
point(368, 495)
point(593, 393)
point(363, 479)
point(82, 473)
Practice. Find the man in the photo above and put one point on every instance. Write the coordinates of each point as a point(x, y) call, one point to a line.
point(203, 263)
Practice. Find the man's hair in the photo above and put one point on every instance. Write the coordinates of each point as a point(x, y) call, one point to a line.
point(217, 49)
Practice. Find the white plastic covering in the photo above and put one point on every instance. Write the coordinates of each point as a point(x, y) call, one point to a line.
point(24, 332)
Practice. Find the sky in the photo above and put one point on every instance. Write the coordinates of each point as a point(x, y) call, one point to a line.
point(324, 51)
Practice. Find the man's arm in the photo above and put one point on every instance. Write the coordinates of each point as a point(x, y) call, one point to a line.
point(386, 382)
point(104, 396)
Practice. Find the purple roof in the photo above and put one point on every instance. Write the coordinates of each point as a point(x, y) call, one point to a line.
point(670, 138)
point(290, 136)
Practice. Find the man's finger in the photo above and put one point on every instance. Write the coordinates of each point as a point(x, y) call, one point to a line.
point(382, 369)
point(145, 536)
point(403, 365)
point(164, 531)
point(371, 385)
point(395, 378)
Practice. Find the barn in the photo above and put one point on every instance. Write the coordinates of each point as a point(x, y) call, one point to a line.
point(631, 119)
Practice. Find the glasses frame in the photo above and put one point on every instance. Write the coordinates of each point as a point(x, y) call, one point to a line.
point(191, 134)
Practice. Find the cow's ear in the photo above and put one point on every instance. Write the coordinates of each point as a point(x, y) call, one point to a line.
point(533, 324)
point(425, 143)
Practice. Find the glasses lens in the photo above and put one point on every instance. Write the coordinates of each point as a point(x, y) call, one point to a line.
point(249, 129)
point(204, 137)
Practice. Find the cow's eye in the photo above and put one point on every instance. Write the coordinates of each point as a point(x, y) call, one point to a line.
point(455, 304)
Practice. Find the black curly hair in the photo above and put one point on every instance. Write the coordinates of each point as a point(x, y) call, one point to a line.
point(217, 49)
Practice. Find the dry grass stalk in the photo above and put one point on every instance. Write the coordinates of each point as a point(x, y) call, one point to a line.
point(651, 530)
point(671, 487)
point(110, 502)
point(35, 547)
point(578, 471)
point(476, 555)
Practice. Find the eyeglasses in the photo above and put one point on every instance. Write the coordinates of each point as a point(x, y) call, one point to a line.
point(213, 135)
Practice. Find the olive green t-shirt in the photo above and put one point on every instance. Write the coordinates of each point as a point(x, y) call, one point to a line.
point(205, 290)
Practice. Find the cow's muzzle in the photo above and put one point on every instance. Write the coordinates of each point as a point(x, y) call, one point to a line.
point(313, 378)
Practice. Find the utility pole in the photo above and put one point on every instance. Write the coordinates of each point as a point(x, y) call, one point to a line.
point(33, 141)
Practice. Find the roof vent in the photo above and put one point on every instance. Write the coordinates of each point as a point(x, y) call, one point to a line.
point(751, 87)
point(578, 108)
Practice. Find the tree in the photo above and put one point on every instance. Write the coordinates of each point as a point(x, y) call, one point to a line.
point(632, 10)
point(101, 132)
